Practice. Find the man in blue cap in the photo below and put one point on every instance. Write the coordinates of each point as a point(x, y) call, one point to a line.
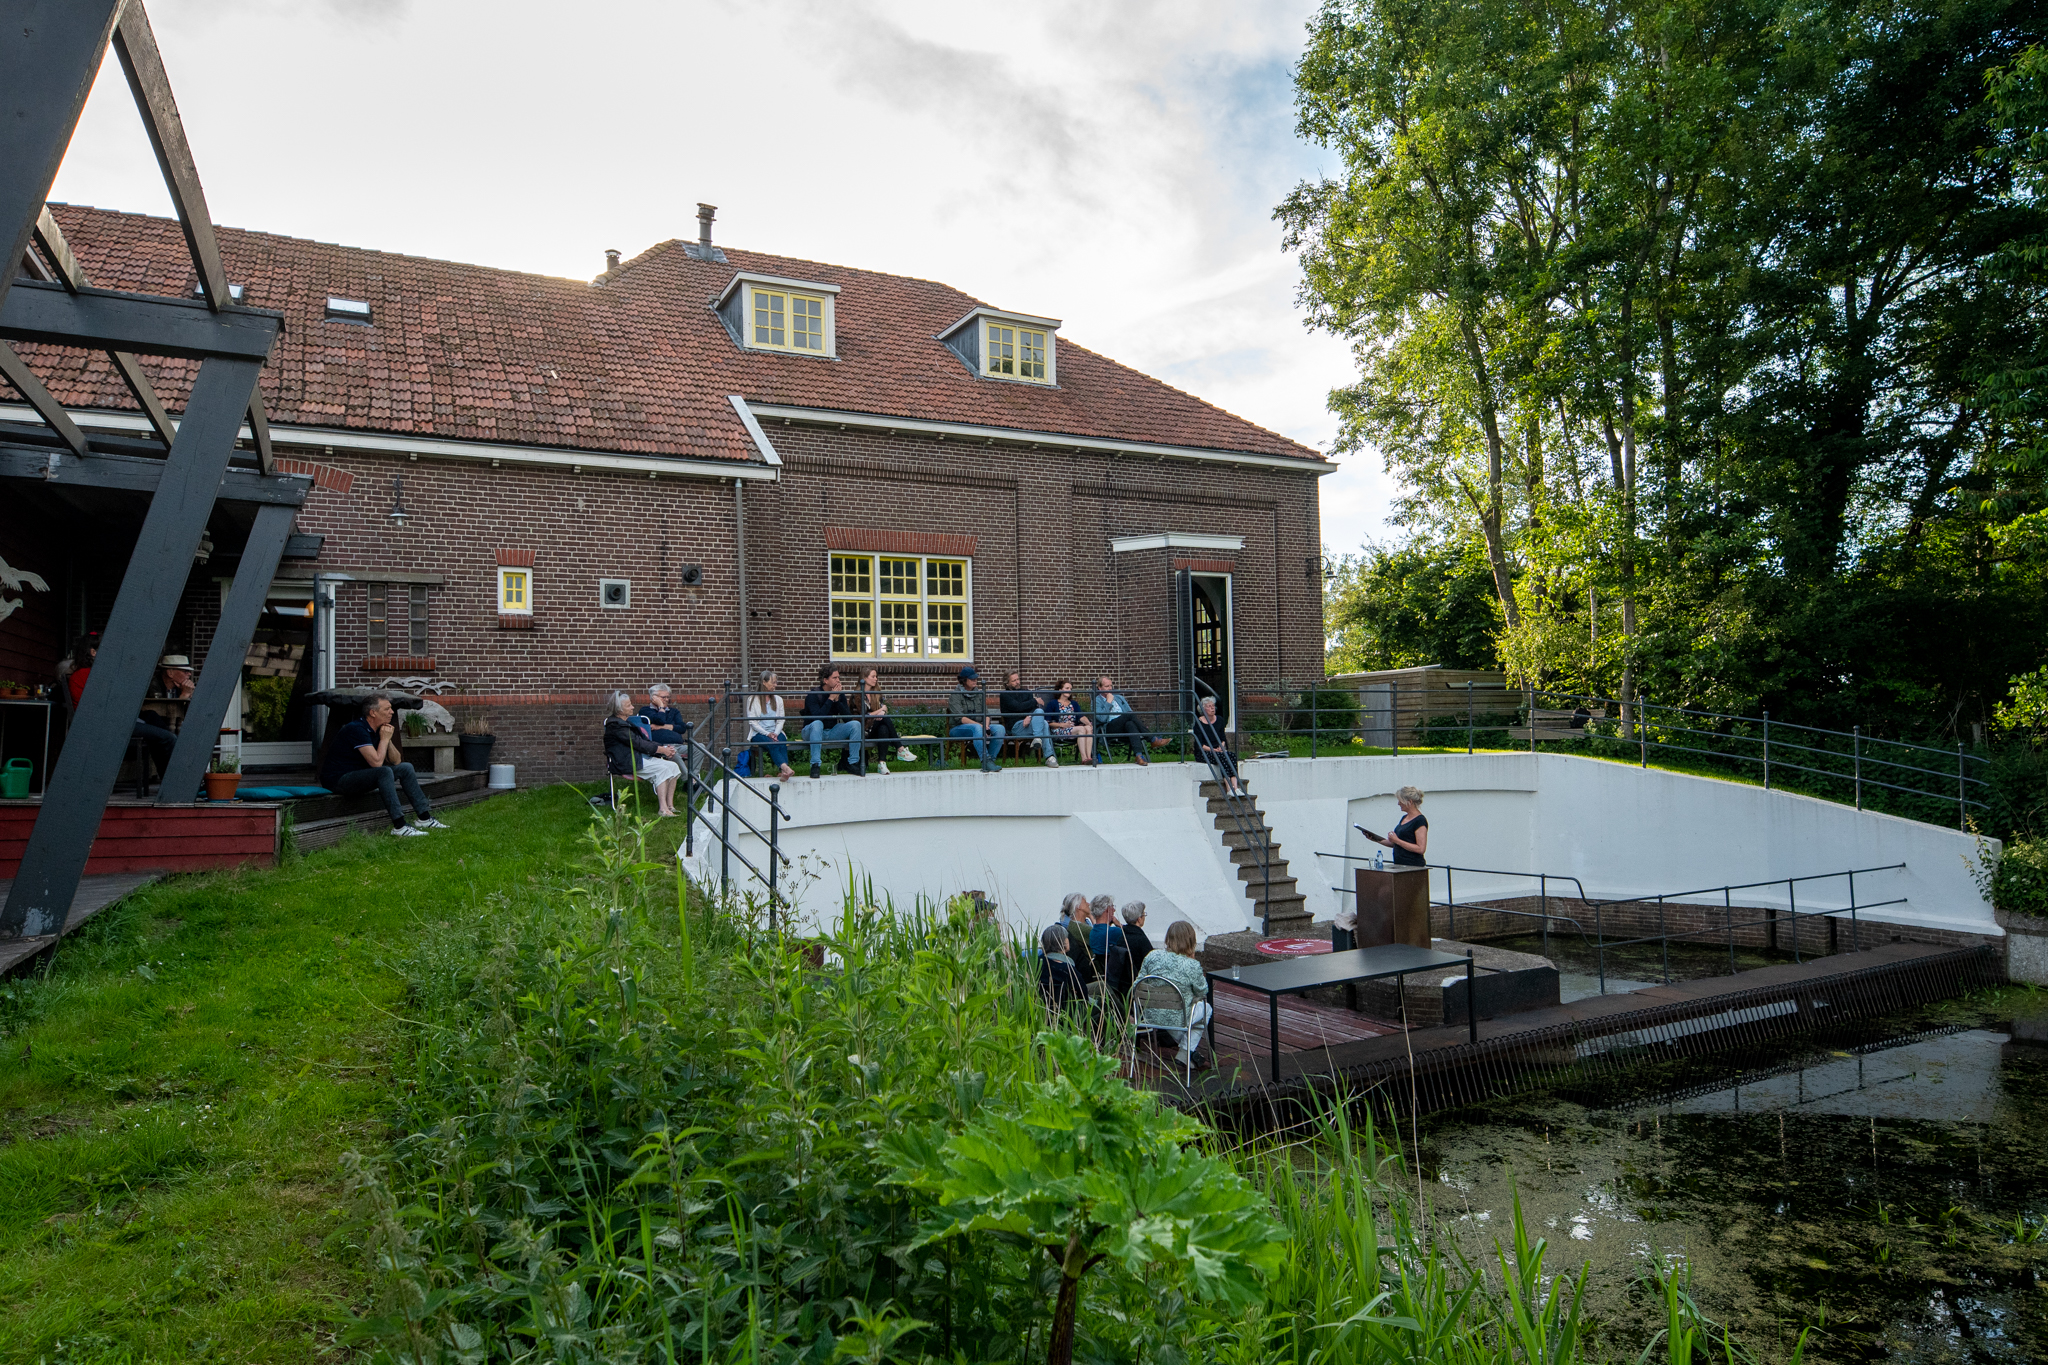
point(968, 706)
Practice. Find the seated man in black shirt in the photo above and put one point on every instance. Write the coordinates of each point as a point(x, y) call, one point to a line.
point(361, 757)
point(829, 720)
point(1024, 714)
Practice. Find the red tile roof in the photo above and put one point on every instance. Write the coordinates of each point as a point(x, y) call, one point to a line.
point(635, 361)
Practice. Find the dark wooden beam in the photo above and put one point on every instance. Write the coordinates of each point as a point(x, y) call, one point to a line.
point(102, 320)
point(72, 276)
point(259, 433)
point(135, 43)
point(138, 474)
point(41, 895)
point(15, 372)
point(48, 57)
point(222, 671)
point(50, 238)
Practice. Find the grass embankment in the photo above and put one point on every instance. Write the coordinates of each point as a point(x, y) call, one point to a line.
point(566, 1120)
point(178, 1086)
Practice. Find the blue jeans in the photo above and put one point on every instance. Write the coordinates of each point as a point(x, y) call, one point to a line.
point(847, 732)
point(778, 750)
point(1034, 726)
point(986, 743)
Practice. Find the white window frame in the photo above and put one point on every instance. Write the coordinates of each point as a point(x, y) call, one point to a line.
point(505, 571)
point(826, 296)
point(874, 597)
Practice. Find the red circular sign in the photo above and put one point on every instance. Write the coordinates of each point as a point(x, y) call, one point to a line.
point(1294, 947)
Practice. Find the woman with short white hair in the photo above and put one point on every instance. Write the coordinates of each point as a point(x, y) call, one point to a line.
point(628, 752)
point(1409, 838)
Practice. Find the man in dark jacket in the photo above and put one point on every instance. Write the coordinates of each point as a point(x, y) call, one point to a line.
point(968, 708)
point(1024, 714)
point(829, 720)
point(1139, 941)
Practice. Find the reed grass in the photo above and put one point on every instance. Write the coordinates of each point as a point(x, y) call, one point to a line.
point(634, 1125)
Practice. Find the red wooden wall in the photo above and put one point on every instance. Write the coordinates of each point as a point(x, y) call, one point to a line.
point(146, 838)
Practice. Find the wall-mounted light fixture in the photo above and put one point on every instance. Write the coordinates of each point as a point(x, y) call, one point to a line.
point(398, 513)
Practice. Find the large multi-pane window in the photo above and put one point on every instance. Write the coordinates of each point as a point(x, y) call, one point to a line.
point(788, 322)
point(898, 606)
point(1014, 352)
point(398, 618)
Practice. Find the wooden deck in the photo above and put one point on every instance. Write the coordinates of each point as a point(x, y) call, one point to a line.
point(1683, 1018)
point(95, 894)
point(1243, 1034)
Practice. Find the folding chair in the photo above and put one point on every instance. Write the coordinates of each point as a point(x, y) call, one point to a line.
point(1158, 993)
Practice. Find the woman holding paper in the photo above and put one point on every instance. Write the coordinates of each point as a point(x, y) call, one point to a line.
point(1409, 838)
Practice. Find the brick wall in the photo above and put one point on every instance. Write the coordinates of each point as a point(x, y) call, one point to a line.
point(1047, 593)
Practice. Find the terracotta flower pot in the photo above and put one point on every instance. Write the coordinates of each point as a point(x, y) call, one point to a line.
point(221, 786)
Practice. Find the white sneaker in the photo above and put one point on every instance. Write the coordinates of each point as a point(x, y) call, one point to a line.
point(429, 823)
point(1052, 763)
point(408, 832)
point(903, 755)
point(882, 768)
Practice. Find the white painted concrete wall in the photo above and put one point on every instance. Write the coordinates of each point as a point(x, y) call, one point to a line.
point(1028, 836)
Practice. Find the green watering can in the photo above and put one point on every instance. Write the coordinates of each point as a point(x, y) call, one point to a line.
point(14, 778)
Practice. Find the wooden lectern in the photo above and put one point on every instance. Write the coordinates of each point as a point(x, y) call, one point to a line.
point(1393, 906)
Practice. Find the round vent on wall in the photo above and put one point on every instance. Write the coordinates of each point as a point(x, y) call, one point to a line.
point(692, 575)
point(614, 592)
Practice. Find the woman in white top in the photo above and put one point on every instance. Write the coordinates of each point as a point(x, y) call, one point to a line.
point(764, 725)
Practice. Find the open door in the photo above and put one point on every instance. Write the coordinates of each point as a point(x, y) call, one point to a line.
point(1202, 634)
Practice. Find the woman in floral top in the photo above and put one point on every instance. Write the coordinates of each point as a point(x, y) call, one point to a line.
point(1068, 720)
point(1176, 962)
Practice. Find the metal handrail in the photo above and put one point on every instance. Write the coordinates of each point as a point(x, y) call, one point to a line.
point(1256, 837)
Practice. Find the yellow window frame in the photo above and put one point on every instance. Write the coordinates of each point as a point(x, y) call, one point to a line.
point(798, 319)
point(1013, 352)
point(877, 602)
point(515, 592)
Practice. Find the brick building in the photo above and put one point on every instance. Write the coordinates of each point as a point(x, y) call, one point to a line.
point(703, 462)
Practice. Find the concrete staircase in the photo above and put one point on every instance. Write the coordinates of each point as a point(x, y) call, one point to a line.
point(1243, 831)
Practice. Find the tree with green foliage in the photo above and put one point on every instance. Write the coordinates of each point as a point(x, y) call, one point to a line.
point(1715, 329)
point(1091, 1170)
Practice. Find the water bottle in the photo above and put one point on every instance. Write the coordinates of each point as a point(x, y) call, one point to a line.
point(1379, 862)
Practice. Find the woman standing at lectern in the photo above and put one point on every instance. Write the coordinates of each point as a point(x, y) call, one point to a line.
point(1410, 837)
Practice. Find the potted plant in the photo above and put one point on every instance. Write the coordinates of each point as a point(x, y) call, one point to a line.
point(474, 748)
point(13, 691)
point(416, 724)
point(224, 777)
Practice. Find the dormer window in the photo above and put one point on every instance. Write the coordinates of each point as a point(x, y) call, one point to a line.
point(1013, 346)
point(764, 313)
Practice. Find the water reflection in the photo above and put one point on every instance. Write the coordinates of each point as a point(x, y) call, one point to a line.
point(1887, 1193)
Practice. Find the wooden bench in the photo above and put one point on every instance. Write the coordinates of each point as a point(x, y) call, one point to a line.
point(1555, 725)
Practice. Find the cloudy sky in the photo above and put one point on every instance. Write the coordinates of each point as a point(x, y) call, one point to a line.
point(1114, 165)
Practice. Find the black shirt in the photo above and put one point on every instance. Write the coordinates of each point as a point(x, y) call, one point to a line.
point(1406, 829)
point(1021, 702)
point(343, 759)
point(821, 703)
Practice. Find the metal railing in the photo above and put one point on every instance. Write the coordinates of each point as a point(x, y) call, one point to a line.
point(718, 790)
point(1602, 906)
point(1252, 831)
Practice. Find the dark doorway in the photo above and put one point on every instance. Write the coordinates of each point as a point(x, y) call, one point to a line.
point(1206, 649)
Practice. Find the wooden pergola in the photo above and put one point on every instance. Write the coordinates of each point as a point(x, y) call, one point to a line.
point(50, 56)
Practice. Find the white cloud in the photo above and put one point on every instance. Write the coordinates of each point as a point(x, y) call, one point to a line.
point(1112, 165)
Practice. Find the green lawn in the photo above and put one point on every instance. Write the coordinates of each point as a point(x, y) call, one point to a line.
point(178, 1086)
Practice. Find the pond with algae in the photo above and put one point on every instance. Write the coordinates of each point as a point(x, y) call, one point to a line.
point(1889, 1191)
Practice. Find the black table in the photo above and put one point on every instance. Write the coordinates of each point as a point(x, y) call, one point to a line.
point(1291, 976)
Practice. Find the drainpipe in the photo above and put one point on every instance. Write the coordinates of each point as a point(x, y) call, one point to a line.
point(739, 536)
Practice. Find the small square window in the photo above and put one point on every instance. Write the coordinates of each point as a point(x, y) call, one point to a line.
point(783, 320)
point(615, 593)
point(1014, 353)
point(515, 592)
